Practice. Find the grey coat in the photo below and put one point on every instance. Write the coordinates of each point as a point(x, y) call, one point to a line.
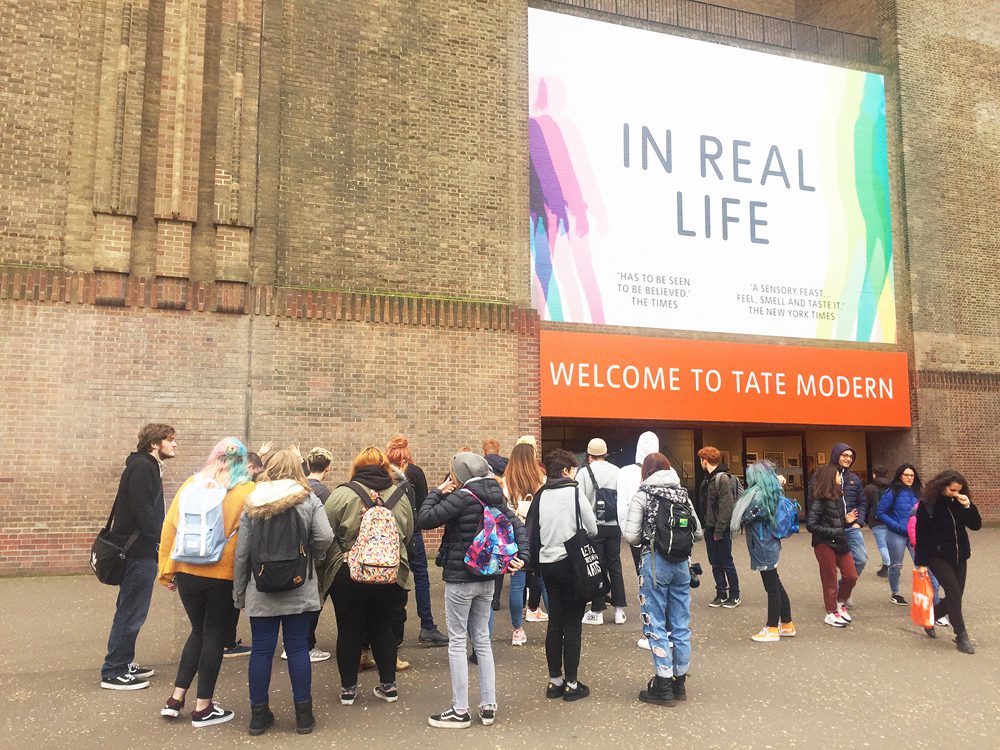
point(634, 529)
point(269, 499)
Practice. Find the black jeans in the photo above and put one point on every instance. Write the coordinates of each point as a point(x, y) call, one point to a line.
point(608, 546)
point(778, 606)
point(417, 556)
point(720, 557)
point(230, 640)
point(952, 579)
point(209, 606)
point(315, 621)
point(399, 615)
point(534, 591)
point(364, 613)
point(564, 634)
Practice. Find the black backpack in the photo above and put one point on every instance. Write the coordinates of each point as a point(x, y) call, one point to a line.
point(673, 528)
point(606, 507)
point(279, 552)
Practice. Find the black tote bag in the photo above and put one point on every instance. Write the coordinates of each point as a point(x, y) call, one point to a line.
point(588, 575)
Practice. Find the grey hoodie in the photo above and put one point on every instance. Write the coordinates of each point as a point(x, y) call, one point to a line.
point(267, 500)
point(630, 477)
point(665, 478)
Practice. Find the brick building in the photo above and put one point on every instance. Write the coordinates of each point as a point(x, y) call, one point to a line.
point(305, 222)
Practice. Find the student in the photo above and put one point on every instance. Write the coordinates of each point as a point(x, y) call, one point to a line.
point(894, 509)
point(716, 498)
point(281, 490)
point(205, 588)
point(598, 474)
point(365, 610)
point(138, 515)
point(828, 520)
point(552, 521)
point(665, 579)
point(458, 505)
point(944, 518)
point(761, 499)
point(318, 465)
point(873, 493)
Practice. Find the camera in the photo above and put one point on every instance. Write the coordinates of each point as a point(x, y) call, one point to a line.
point(696, 572)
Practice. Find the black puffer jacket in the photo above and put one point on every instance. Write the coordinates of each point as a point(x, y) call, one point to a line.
point(826, 522)
point(942, 531)
point(462, 517)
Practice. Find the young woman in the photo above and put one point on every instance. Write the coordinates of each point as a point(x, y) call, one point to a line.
point(281, 488)
point(367, 611)
point(664, 584)
point(761, 502)
point(206, 590)
point(944, 518)
point(828, 520)
point(458, 505)
point(894, 509)
point(552, 521)
point(522, 480)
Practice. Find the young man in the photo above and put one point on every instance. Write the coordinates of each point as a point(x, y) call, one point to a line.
point(842, 456)
point(873, 493)
point(138, 510)
point(318, 465)
point(599, 474)
point(716, 499)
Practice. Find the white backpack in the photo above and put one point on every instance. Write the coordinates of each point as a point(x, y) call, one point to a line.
point(201, 527)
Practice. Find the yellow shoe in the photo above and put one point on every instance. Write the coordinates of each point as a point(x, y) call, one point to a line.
point(367, 662)
point(766, 635)
point(786, 629)
point(401, 664)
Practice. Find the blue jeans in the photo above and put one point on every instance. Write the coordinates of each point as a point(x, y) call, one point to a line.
point(665, 606)
point(720, 557)
point(897, 543)
point(467, 610)
point(134, 594)
point(856, 541)
point(417, 556)
point(264, 640)
point(515, 598)
point(879, 533)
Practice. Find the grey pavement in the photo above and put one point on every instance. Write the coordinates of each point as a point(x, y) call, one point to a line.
point(880, 683)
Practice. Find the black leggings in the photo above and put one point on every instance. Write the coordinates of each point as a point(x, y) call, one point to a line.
point(364, 613)
point(564, 634)
point(952, 579)
point(209, 606)
point(534, 591)
point(778, 605)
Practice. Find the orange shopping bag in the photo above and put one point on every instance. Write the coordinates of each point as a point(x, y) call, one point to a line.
point(922, 608)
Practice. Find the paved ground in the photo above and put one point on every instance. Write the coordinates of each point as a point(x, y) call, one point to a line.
point(881, 683)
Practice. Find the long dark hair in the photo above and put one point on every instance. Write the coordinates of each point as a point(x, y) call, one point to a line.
point(897, 480)
point(935, 488)
point(825, 483)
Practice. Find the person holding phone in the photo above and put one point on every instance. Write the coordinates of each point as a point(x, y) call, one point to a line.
point(828, 519)
point(945, 516)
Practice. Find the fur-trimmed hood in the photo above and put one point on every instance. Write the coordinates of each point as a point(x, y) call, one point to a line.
point(271, 498)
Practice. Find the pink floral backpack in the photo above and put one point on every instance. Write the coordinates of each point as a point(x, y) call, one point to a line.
point(374, 558)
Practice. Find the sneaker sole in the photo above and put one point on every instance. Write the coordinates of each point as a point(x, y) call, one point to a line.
point(787, 635)
point(432, 644)
point(657, 701)
point(170, 713)
point(517, 643)
point(210, 722)
point(714, 606)
point(487, 722)
point(765, 640)
point(234, 656)
point(319, 658)
point(348, 701)
point(133, 686)
point(731, 606)
point(570, 697)
point(386, 698)
point(449, 724)
point(143, 675)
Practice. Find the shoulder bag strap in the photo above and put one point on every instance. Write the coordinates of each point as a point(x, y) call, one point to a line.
point(576, 498)
point(593, 479)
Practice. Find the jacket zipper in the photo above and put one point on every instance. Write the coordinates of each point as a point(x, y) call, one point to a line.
point(954, 528)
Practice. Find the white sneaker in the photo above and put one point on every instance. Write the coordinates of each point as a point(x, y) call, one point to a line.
point(842, 611)
point(620, 617)
point(536, 615)
point(518, 638)
point(284, 655)
point(833, 618)
point(316, 654)
point(643, 643)
point(593, 618)
point(943, 621)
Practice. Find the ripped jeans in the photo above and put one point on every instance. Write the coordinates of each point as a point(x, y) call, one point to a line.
point(665, 608)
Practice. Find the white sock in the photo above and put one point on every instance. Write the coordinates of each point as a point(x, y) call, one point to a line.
point(571, 685)
point(557, 681)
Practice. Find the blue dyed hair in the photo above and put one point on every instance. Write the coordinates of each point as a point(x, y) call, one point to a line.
point(763, 481)
point(227, 463)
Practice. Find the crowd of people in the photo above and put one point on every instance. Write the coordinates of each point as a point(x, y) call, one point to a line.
point(264, 533)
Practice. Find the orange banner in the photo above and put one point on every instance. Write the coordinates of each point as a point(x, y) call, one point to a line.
point(601, 376)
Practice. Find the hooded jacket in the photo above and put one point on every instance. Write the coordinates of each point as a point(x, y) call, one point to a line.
point(873, 493)
point(267, 500)
point(552, 520)
point(461, 514)
point(630, 477)
point(716, 499)
point(942, 531)
point(854, 496)
point(894, 508)
point(139, 506)
point(663, 485)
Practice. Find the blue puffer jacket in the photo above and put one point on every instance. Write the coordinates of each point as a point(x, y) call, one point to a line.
point(894, 508)
point(854, 491)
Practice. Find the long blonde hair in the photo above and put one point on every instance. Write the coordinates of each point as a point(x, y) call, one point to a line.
point(284, 465)
point(523, 476)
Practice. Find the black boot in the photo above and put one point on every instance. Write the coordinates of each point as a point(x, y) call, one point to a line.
point(260, 719)
point(659, 690)
point(304, 720)
point(963, 643)
point(680, 692)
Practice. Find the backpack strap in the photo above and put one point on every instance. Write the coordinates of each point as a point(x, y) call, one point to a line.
point(401, 489)
point(362, 493)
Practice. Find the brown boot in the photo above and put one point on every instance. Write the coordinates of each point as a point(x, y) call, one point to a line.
point(367, 662)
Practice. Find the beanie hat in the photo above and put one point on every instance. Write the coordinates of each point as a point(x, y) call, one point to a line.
point(466, 466)
point(528, 439)
point(597, 447)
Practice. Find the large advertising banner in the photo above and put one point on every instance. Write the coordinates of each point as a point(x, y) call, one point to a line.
point(601, 376)
point(680, 184)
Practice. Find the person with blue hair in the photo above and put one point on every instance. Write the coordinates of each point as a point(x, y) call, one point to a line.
point(759, 504)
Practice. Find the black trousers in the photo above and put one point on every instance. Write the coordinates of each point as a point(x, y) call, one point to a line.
point(399, 615)
point(779, 608)
point(952, 579)
point(608, 546)
point(364, 613)
point(315, 621)
point(209, 606)
point(563, 638)
point(534, 591)
point(636, 558)
point(230, 638)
